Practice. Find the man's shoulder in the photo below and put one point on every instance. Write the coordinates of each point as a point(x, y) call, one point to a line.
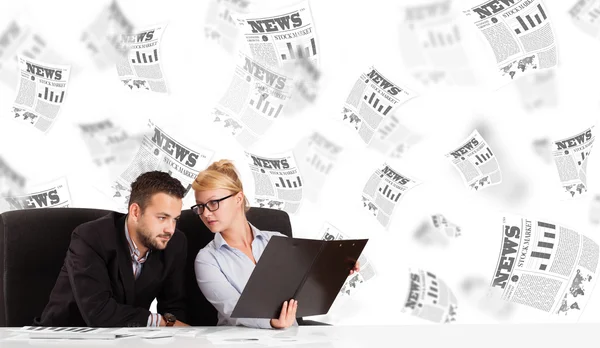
point(101, 227)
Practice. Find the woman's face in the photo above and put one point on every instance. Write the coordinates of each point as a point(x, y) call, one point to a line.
point(220, 219)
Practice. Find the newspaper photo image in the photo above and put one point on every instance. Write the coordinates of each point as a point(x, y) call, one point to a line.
point(317, 156)
point(41, 93)
point(278, 183)
point(140, 69)
point(254, 99)
point(372, 98)
point(279, 37)
point(520, 34)
point(367, 270)
point(571, 157)
point(383, 191)
point(476, 162)
point(103, 37)
point(545, 266)
point(220, 27)
point(431, 42)
point(161, 151)
point(54, 194)
point(19, 38)
point(585, 14)
point(429, 298)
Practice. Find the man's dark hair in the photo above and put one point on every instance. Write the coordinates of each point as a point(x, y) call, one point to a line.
point(150, 183)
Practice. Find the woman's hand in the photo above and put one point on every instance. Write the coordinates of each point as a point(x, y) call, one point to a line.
point(356, 268)
point(287, 315)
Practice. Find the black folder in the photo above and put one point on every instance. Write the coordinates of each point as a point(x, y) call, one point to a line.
point(307, 270)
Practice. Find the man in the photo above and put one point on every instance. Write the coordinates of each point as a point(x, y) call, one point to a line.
point(118, 264)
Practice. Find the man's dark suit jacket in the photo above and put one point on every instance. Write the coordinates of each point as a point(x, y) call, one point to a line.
point(96, 286)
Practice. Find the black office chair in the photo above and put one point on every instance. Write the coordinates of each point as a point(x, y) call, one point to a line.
point(34, 242)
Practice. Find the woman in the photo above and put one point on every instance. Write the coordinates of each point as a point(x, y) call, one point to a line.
point(223, 267)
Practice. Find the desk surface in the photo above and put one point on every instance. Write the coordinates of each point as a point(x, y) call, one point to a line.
point(452, 335)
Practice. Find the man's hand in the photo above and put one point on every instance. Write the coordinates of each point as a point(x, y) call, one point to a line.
point(163, 322)
point(356, 268)
point(287, 315)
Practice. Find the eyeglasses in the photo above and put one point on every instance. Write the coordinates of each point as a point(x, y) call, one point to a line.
point(210, 205)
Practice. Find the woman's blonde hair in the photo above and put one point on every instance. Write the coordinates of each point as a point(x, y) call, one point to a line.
point(220, 175)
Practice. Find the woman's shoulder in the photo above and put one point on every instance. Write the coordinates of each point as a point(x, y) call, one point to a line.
point(207, 253)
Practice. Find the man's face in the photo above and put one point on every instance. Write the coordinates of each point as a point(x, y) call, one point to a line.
point(156, 225)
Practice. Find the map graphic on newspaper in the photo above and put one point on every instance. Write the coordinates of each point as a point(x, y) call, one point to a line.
point(545, 266)
point(520, 34)
point(571, 157)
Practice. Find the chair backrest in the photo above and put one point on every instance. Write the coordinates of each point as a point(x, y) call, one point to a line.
point(34, 242)
point(199, 311)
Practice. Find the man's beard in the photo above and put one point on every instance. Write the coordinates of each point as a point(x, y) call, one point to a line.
point(146, 239)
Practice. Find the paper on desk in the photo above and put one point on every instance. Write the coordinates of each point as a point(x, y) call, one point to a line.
point(290, 336)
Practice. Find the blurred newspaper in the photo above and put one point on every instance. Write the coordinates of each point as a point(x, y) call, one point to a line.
point(317, 156)
point(19, 38)
point(519, 32)
point(367, 271)
point(372, 98)
point(108, 144)
point(476, 162)
point(219, 26)
point(430, 298)
point(41, 93)
point(436, 230)
point(279, 37)
point(432, 48)
point(54, 194)
point(305, 90)
point(102, 38)
point(545, 266)
point(571, 158)
point(254, 99)
point(586, 15)
point(382, 192)
point(160, 151)
point(277, 181)
point(393, 138)
point(140, 68)
point(538, 90)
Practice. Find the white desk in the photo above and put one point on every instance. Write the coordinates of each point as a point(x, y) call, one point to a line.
point(488, 336)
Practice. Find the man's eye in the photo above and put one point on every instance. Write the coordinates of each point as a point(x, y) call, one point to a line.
point(161, 217)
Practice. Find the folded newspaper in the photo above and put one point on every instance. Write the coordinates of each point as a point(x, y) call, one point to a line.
point(476, 162)
point(430, 298)
point(54, 194)
point(160, 151)
point(103, 37)
point(545, 266)
point(140, 69)
point(277, 181)
point(372, 98)
point(383, 191)
point(41, 93)
point(571, 158)
point(255, 98)
point(519, 32)
point(279, 37)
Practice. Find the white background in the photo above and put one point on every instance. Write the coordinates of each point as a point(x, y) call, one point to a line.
point(352, 35)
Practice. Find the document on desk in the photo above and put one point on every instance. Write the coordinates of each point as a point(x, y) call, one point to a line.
point(307, 270)
point(83, 333)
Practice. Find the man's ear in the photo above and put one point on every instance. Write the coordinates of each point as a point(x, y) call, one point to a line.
point(135, 211)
